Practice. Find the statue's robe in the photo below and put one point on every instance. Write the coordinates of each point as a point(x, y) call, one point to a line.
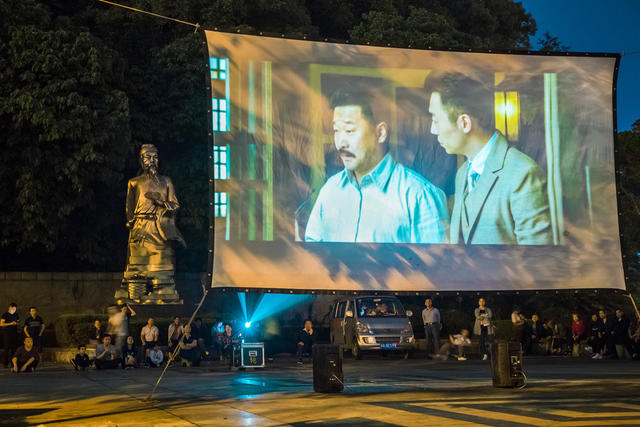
point(152, 225)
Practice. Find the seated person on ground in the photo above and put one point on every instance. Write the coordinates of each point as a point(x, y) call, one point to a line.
point(197, 332)
point(189, 351)
point(455, 347)
point(81, 361)
point(107, 355)
point(174, 333)
point(26, 357)
point(129, 354)
point(216, 334)
point(149, 337)
point(306, 340)
point(156, 357)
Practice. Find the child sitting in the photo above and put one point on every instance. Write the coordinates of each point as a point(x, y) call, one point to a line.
point(155, 357)
point(81, 361)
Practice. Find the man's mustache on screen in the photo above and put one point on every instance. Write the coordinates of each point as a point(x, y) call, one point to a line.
point(343, 152)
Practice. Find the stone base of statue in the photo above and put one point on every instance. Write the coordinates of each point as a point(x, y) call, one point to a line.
point(148, 278)
point(145, 290)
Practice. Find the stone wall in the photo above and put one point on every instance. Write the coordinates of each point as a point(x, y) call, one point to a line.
point(56, 293)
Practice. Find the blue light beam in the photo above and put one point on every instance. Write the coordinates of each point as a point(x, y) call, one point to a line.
point(242, 298)
point(271, 304)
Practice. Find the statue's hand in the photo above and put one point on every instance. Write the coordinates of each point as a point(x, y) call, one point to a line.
point(154, 196)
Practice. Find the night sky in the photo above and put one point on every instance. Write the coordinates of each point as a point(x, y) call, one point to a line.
point(598, 26)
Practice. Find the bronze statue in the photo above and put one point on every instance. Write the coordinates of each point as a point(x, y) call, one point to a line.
point(151, 208)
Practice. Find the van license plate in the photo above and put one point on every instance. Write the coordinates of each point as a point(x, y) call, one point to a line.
point(388, 346)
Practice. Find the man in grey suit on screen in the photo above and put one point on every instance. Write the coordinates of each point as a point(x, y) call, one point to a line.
point(500, 195)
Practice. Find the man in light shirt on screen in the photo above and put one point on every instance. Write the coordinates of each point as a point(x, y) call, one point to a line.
point(374, 199)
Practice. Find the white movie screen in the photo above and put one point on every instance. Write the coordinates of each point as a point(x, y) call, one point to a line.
point(343, 167)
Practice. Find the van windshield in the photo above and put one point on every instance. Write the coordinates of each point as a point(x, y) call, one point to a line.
point(379, 307)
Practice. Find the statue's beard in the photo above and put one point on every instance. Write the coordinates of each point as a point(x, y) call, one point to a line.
point(151, 170)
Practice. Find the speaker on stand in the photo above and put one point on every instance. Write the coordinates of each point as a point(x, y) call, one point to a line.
point(506, 365)
point(327, 368)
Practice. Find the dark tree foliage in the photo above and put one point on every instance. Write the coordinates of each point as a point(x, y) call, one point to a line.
point(549, 43)
point(629, 200)
point(84, 85)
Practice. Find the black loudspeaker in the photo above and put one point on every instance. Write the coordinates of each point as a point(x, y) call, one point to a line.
point(327, 368)
point(506, 364)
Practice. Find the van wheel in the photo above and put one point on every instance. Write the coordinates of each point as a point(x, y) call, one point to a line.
point(356, 352)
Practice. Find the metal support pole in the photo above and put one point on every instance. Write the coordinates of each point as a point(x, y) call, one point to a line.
point(176, 350)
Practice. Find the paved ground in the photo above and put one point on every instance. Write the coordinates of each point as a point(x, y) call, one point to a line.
point(380, 392)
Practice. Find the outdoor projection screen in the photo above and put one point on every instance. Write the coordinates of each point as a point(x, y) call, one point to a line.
point(340, 167)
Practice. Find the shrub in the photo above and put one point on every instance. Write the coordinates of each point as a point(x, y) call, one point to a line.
point(504, 329)
point(74, 329)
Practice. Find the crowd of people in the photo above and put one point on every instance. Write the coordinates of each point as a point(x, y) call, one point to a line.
point(25, 357)
point(185, 344)
point(602, 336)
point(114, 346)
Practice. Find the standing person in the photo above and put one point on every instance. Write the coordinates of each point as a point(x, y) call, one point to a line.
point(306, 340)
point(606, 336)
point(595, 340)
point(620, 336)
point(518, 321)
point(26, 357)
point(227, 343)
point(95, 336)
point(535, 333)
point(121, 324)
point(9, 329)
point(432, 326)
point(34, 328)
point(174, 333)
point(149, 338)
point(634, 336)
point(483, 326)
point(577, 334)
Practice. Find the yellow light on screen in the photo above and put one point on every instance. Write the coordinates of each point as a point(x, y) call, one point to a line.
point(500, 112)
point(513, 115)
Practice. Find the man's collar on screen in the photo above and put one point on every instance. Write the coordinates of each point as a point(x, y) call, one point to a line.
point(479, 160)
point(380, 175)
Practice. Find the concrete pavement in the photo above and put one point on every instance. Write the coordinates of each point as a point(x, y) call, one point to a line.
point(380, 392)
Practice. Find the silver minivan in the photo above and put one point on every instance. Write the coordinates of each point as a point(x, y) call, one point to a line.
point(371, 323)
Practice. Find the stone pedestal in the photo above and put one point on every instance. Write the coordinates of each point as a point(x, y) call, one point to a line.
point(159, 289)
